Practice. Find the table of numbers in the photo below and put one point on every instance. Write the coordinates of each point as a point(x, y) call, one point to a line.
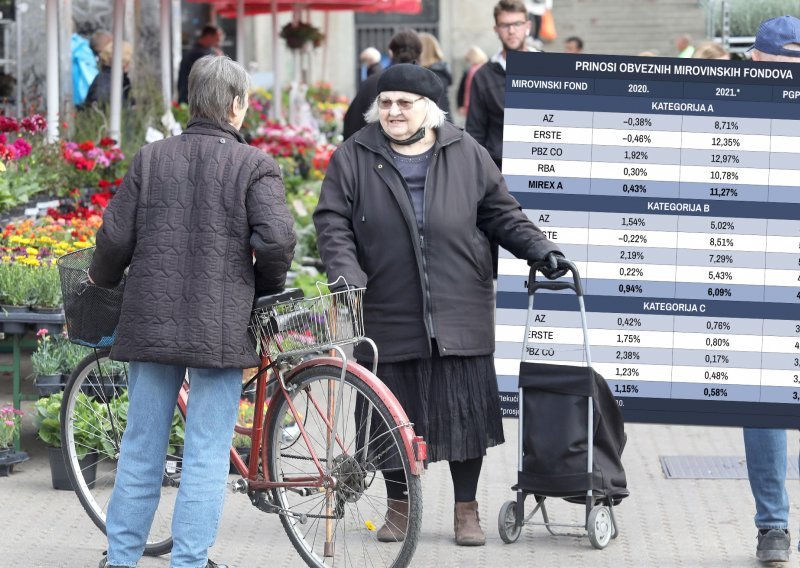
point(674, 185)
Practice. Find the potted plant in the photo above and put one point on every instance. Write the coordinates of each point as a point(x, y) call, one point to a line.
point(297, 35)
point(46, 289)
point(47, 363)
point(10, 424)
point(15, 286)
point(87, 421)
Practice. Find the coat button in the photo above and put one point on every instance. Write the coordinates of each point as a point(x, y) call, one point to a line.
point(380, 166)
point(222, 141)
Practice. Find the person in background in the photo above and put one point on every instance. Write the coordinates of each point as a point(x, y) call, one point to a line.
point(683, 44)
point(475, 57)
point(84, 67)
point(777, 41)
point(99, 40)
point(201, 221)
point(404, 47)
point(408, 207)
point(207, 44)
point(487, 95)
point(100, 90)
point(573, 44)
point(370, 60)
point(536, 9)
point(710, 50)
point(432, 58)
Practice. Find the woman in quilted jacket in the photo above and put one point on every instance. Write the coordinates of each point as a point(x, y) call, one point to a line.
point(191, 214)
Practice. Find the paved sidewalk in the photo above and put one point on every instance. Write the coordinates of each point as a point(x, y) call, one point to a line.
point(665, 522)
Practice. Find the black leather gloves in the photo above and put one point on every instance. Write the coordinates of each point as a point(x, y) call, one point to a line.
point(551, 268)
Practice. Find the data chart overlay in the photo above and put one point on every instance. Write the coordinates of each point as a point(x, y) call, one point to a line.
point(674, 186)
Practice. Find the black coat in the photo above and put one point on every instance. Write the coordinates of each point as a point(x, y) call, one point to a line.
point(367, 233)
point(354, 117)
point(487, 108)
point(100, 90)
point(190, 215)
point(187, 62)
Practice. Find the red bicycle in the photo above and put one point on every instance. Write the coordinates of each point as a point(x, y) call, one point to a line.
point(329, 432)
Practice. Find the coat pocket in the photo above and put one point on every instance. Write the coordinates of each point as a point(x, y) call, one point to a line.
point(481, 254)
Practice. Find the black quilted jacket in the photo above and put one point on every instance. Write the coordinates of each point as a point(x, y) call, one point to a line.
point(188, 218)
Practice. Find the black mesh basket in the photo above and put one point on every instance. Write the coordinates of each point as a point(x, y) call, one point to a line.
point(92, 312)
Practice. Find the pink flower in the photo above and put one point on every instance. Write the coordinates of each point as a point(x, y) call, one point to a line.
point(41, 333)
point(22, 147)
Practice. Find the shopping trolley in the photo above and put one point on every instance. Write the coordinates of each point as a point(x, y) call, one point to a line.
point(571, 436)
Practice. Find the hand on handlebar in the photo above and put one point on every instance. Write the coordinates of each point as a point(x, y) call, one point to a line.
point(551, 269)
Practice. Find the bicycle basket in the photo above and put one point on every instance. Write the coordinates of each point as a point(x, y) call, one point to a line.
point(92, 312)
point(309, 324)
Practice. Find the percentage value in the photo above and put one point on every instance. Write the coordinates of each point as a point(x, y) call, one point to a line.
point(726, 125)
point(726, 142)
point(715, 392)
point(716, 358)
point(719, 292)
point(631, 255)
point(720, 242)
point(628, 338)
point(724, 159)
point(720, 258)
point(716, 375)
point(723, 192)
point(633, 222)
point(634, 121)
point(634, 272)
point(720, 275)
point(635, 155)
point(634, 238)
point(622, 389)
point(722, 225)
point(724, 175)
point(628, 355)
point(627, 372)
point(634, 188)
point(638, 138)
point(715, 324)
point(635, 172)
point(630, 289)
point(718, 342)
point(629, 322)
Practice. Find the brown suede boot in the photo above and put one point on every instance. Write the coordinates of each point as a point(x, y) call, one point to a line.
point(467, 524)
point(394, 529)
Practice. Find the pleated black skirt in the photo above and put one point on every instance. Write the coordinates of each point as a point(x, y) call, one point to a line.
point(452, 401)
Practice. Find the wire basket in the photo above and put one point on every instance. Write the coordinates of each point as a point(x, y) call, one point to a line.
point(309, 324)
point(92, 312)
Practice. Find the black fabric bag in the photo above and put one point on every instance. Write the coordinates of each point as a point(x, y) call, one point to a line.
point(555, 436)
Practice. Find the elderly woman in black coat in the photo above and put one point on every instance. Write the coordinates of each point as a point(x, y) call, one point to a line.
point(408, 208)
point(191, 216)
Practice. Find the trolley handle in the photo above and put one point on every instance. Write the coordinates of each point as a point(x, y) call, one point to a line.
point(575, 285)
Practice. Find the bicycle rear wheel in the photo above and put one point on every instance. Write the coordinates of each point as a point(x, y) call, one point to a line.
point(93, 417)
point(340, 523)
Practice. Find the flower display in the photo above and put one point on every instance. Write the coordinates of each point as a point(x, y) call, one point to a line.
point(10, 424)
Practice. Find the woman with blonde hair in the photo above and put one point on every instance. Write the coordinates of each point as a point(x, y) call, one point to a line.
point(432, 58)
point(710, 50)
point(100, 89)
point(475, 57)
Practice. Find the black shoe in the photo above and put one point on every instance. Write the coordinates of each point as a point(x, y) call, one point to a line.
point(104, 563)
point(773, 545)
point(215, 565)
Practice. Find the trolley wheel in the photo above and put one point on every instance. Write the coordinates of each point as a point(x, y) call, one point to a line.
point(600, 527)
point(507, 522)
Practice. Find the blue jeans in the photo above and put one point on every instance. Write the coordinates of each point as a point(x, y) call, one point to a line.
point(210, 418)
point(765, 450)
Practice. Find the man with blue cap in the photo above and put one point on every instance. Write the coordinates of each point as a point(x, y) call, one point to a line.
point(777, 40)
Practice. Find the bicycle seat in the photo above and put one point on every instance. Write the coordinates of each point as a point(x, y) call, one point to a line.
point(282, 296)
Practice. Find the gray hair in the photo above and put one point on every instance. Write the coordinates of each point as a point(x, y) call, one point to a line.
point(214, 82)
point(434, 116)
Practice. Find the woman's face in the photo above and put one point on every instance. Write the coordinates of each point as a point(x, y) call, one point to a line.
point(401, 113)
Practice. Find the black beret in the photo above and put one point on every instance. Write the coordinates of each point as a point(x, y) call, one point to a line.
point(411, 78)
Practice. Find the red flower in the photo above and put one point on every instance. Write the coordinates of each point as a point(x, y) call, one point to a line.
point(104, 184)
point(87, 145)
point(34, 123)
point(106, 142)
point(118, 182)
point(8, 124)
point(101, 199)
point(84, 164)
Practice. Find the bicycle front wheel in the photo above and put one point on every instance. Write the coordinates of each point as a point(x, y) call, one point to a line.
point(338, 526)
point(94, 412)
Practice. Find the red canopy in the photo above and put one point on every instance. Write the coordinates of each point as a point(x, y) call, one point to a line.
point(227, 8)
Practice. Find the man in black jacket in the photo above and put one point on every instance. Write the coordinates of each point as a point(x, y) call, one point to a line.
point(207, 44)
point(487, 96)
point(405, 47)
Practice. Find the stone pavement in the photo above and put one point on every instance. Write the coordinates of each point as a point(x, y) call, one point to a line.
point(692, 523)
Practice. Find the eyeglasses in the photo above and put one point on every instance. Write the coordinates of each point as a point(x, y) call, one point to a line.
point(402, 104)
point(512, 25)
